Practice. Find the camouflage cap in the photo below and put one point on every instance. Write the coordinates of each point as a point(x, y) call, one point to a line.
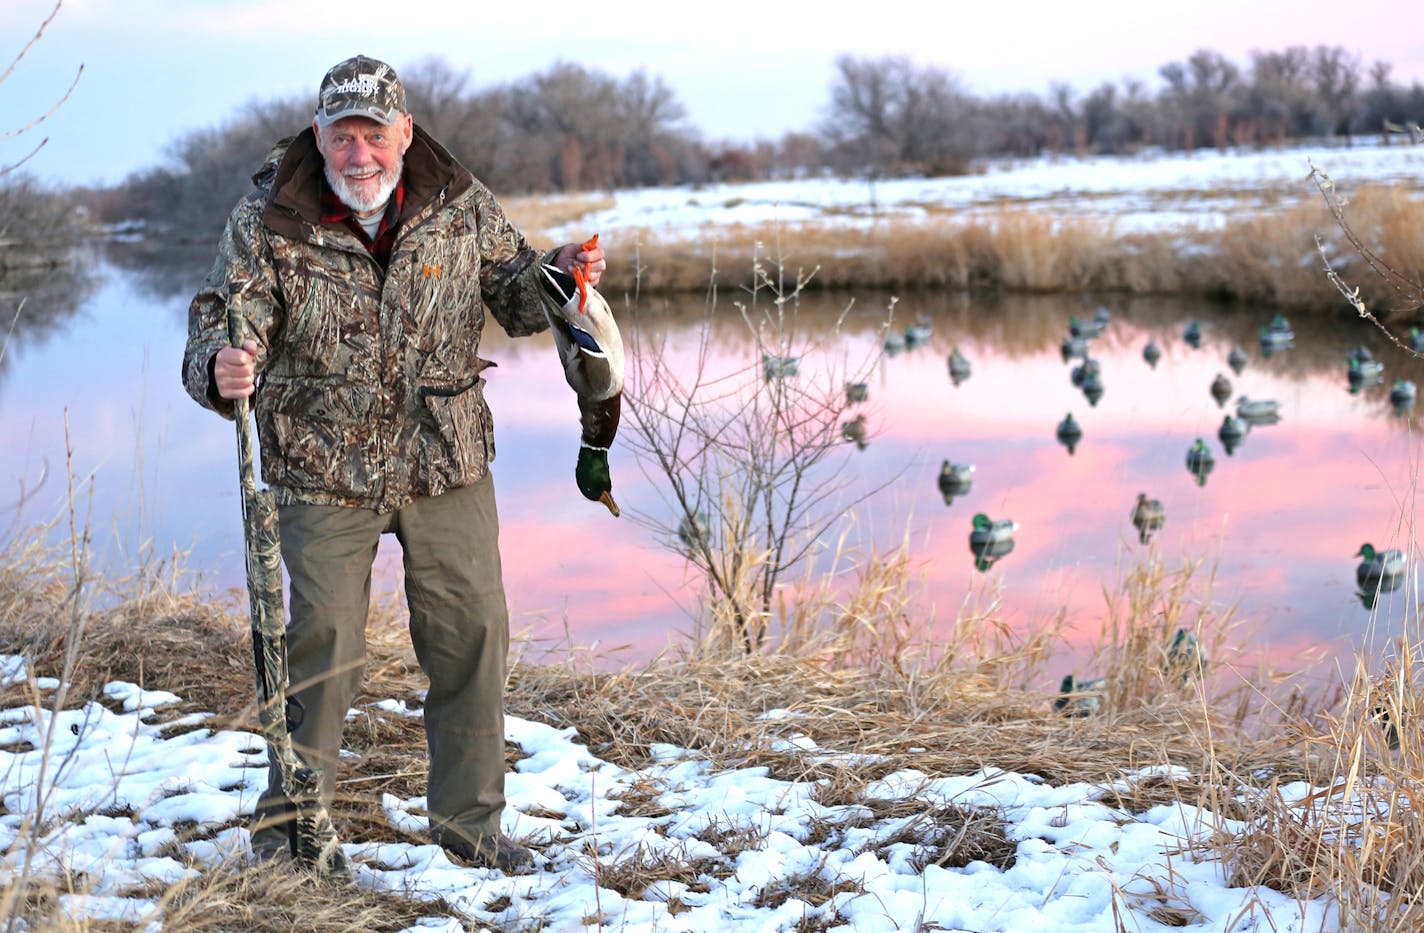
point(360, 87)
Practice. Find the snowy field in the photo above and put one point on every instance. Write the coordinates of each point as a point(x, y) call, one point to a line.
point(1152, 192)
point(113, 793)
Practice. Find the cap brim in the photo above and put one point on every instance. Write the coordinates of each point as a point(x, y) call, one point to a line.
point(383, 117)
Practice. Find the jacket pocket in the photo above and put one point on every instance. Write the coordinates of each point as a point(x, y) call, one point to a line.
point(317, 435)
point(466, 431)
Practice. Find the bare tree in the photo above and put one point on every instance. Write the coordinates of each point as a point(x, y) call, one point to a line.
point(27, 127)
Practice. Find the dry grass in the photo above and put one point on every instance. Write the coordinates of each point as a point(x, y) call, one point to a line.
point(1266, 259)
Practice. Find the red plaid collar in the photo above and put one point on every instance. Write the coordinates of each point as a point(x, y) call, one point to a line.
point(334, 211)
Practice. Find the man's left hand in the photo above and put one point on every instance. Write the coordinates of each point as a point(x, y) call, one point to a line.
point(572, 254)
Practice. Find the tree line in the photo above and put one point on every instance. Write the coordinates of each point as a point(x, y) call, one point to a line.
point(572, 128)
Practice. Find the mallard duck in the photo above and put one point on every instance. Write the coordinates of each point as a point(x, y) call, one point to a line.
point(1231, 433)
point(958, 366)
point(1363, 372)
point(1200, 461)
point(1402, 394)
point(1416, 340)
point(854, 430)
point(916, 334)
point(894, 342)
point(1257, 411)
point(1148, 516)
point(1221, 389)
point(1276, 336)
point(1380, 571)
point(990, 540)
point(955, 479)
point(1085, 370)
point(856, 392)
point(1074, 347)
point(1093, 390)
point(1079, 699)
point(1192, 334)
point(591, 351)
point(1237, 359)
point(1152, 353)
point(775, 366)
point(1077, 328)
point(1186, 657)
point(1069, 432)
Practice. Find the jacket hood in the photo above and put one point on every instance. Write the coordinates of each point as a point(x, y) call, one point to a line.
point(292, 174)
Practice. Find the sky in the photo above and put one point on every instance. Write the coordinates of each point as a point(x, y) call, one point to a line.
point(156, 69)
point(132, 781)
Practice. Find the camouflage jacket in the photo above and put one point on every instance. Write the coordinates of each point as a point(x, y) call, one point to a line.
point(370, 392)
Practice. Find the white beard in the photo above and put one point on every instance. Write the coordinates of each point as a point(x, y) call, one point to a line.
point(364, 205)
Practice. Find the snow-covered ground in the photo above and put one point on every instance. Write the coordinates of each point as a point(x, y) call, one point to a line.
point(112, 794)
point(1152, 191)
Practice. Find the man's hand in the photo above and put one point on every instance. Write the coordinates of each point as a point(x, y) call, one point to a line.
point(573, 254)
point(235, 370)
point(593, 478)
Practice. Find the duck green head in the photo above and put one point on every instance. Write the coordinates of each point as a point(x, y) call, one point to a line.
point(1367, 551)
point(981, 522)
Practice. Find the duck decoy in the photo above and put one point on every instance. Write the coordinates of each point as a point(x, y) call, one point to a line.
point(1416, 340)
point(779, 367)
point(1402, 395)
point(958, 366)
point(1185, 657)
point(856, 392)
point(955, 479)
point(1074, 347)
point(854, 430)
point(1069, 432)
point(1363, 372)
point(1257, 411)
point(990, 540)
point(1088, 329)
point(1221, 389)
point(1089, 368)
point(1378, 572)
point(1152, 353)
point(591, 350)
point(916, 334)
point(694, 531)
point(1192, 334)
point(1276, 336)
point(894, 342)
point(1102, 316)
point(1079, 699)
point(1237, 359)
point(1148, 516)
point(1200, 461)
point(1231, 433)
point(1093, 390)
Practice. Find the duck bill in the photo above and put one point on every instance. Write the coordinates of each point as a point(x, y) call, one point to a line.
point(607, 499)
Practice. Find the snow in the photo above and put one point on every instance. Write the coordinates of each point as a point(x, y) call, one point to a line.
point(1153, 191)
point(112, 791)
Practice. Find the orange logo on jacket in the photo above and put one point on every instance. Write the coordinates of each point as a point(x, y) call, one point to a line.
point(428, 270)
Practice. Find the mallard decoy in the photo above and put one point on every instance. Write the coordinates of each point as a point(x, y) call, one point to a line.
point(774, 366)
point(591, 351)
point(1085, 370)
point(1069, 432)
point(990, 540)
point(958, 366)
point(1221, 389)
point(1102, 316)
point(894, 342)
point(955, 479)
point(694, 531)
point(1276, 336)
point(1074, 347)
point(916, 334)
point(856, 392)
point(1416, 340)
point(1379, 571)
point(1231, 433)
point(1200, 461)
point(854, 430)
point(1257, 411)
point(1148, 516)
point(1237, 359)
point(1185, 657)
point(1402, 395)
point(1152, 353)
point(1089, 329)
point(1363, 373)
point(1093, 389)
point(1192, 334)
point(1079, 699)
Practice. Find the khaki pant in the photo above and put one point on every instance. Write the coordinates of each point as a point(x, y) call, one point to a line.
point(459, 627)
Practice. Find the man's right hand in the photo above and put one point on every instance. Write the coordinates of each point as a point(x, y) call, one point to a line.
point(235, 370)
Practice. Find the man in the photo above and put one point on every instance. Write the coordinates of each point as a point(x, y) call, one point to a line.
point(361, 269)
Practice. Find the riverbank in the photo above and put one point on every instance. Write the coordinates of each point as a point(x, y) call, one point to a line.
point(851, 776)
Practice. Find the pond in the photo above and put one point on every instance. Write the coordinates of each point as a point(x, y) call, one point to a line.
point(95, 399)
